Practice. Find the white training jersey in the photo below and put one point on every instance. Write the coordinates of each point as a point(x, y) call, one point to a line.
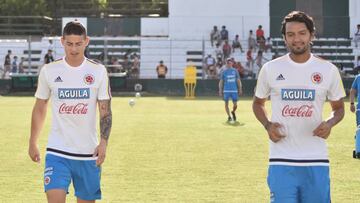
point(73, 92)
point(298, 92)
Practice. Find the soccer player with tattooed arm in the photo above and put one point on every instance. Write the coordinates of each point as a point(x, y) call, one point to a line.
point(298, 85)
point(75, 86)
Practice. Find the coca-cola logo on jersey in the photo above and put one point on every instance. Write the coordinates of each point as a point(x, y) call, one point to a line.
point(79, 108)
point(299, 111)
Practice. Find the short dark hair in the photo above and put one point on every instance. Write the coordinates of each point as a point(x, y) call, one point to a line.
point(298, 16)
point(74, 28)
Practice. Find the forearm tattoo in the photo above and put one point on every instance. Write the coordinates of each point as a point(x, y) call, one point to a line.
point(105, 119)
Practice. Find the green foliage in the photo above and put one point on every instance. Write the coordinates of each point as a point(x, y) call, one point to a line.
point(23, 8)
point(171, 150)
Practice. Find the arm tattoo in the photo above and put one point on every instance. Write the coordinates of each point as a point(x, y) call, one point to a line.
point(105, 118)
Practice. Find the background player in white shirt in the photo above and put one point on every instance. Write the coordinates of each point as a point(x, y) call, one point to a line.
point(298, 85)
point(75, 85)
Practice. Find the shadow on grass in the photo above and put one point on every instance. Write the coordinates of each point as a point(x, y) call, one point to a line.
point(233, 124)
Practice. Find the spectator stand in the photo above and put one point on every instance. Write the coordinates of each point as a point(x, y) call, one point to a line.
point(338, 51)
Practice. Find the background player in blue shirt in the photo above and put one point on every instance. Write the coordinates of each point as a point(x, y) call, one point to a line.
point(230, 87)
point(354, 91)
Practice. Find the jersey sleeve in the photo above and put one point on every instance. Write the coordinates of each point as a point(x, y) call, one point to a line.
point(262, 86)
point(336, 90)
point(43, 89)
point(354, 84)
point(104, 92)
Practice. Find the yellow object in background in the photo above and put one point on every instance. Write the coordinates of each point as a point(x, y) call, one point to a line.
point(190, 82)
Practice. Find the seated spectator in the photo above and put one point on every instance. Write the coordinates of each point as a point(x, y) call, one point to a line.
point(251, 41)
point(219, 64)
point(268, 44)
point(209, 66)
point(236, 44)
point(48, 58)
point(259, 33)
point(237, 65)
point(261, 43)
point(226, 49)
point(21, 65)
point(115, 66)
point(357, 36)
point(224, 34)
point(219, 52)
point(126, 64)
point(250, 61)
point(14, 65)
point(259, 62)
point(214, 36)
point(135, 68)
point(161, 69)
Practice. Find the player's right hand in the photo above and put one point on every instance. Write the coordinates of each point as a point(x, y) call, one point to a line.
point(274, 132)
point(352, 108)
point(220, 93)
point(34, 153)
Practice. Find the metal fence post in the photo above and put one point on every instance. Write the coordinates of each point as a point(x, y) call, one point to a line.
point(171, 66)
point(29, 54)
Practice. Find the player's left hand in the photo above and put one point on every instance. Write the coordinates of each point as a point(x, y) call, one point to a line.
point(100, 152)
point(240, 92)
point(323, 130)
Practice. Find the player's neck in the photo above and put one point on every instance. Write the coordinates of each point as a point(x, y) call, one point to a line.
point(74, 62)
point(300, 58)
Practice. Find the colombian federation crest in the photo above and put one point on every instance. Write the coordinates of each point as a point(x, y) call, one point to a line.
point(47, 180)
point(316, 78)
point(89, 79)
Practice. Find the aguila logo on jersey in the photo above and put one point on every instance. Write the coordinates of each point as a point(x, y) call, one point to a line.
point(299, 111)
point(89, 79)
point(80, 108)
point(298, 94)
point(316, 78)
point(74, 93)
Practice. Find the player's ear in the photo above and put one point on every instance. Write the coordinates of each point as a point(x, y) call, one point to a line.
point(87, 40)
point(284, 38)
point(62, 40)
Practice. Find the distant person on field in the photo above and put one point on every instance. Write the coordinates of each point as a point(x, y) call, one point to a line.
point(161, 69)
point(230, 88)
point(355, 93)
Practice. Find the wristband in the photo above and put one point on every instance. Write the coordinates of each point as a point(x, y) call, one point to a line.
point(352, 103)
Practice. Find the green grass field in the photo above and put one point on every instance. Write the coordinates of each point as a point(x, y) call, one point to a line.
point(171, 150)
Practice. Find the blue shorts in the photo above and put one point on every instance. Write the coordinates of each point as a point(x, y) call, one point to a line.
point(85, 175)
point(357, 117)
point(233, 95)
point(293, 184)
